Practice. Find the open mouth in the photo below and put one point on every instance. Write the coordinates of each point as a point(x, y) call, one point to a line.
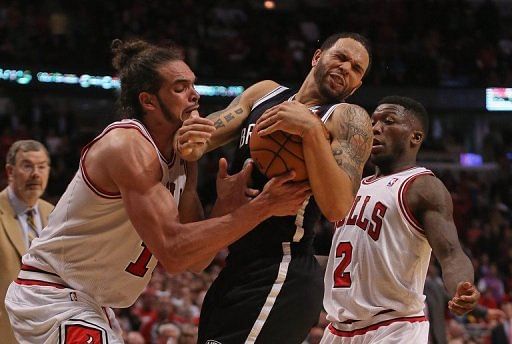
point(337, 78)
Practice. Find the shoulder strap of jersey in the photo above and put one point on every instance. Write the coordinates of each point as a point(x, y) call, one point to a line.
point(269, 95)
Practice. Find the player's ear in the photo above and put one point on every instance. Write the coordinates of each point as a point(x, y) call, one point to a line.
point(147, 101)
point(417, 137)
point(9, 171)
point(316, 57)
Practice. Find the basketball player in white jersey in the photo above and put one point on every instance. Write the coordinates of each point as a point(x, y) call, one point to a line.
point(132, 203)
point(286, 286)
point(380, 252)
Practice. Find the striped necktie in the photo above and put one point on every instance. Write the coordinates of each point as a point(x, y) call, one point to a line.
point(32, 229)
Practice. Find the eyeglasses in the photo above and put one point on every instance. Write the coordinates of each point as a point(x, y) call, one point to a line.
point(31, 168)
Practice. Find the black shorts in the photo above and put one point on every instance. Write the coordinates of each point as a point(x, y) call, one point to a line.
point(265, 301)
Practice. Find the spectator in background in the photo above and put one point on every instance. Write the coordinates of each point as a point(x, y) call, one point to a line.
point(503, 332)
point(23, 214)
point(134, 338)
point(168, 334)
point(491, 284)
point(188, 334)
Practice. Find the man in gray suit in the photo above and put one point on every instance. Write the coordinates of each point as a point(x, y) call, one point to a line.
point(22, 213)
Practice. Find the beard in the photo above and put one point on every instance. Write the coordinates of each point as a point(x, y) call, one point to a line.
point(331, 95)
point(168, 115)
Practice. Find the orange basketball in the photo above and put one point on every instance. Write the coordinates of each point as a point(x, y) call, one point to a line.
point(278, 153)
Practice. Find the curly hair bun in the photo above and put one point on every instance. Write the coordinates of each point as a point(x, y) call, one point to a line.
point(125, 51)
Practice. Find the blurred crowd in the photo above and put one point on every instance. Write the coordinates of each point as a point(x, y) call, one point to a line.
point(454, 43)
point(458, 43)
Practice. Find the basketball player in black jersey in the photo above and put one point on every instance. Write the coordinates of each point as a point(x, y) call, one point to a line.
point(271, 288)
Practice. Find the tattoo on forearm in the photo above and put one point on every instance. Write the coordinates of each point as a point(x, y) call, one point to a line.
point(235, 101)
point(221, 118)
point(229, 117)
point(218, 123)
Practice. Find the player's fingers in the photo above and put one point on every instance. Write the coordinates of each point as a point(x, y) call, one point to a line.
point(471, 299)
point(196, 128)
point(301, 186)
point(263, 123)
point(247, 168)
point(461, 305)
point(457, 309)
point(269, 129)
point(198, 120)
point(223, 168)
point(464, 287)
point(191, 144)
point(252, 192)
point(269, 113)
point(202, 127)
point(194, 136)
point(283, 178)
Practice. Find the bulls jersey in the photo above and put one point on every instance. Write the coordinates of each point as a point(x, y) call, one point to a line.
point(90, 243)
point(379, 255)
point(269, 235)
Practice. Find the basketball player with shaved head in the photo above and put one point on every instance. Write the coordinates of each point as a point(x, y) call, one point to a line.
point(381, 250)
point(133, 202)
point(271, 288)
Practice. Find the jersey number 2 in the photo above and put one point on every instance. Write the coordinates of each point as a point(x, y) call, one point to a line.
point(140, 267)
point(341, 278)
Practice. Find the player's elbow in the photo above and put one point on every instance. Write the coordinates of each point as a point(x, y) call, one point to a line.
point(333, 216)
point(173, 260)
point(175, 264)
point(337, 213)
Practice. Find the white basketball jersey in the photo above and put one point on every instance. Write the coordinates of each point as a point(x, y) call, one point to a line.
point(90, 242)
point(379, 255)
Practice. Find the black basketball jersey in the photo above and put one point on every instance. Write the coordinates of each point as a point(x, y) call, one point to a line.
point(268, 235)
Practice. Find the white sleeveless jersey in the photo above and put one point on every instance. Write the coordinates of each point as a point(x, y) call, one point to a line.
point(379, 255)
point(90, 242)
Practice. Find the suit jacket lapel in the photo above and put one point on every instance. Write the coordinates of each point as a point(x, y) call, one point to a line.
point(10, 224)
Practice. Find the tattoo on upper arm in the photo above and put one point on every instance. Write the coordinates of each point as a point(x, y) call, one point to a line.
point(221, 118)
point(352, 145)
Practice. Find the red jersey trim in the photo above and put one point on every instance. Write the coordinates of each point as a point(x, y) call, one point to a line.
point(22, 281)
point(98, 191)
point(373, 179)
point(25, 267)
point(172, 159)
point(406, 212)
point(373, 327)
point(39, 278)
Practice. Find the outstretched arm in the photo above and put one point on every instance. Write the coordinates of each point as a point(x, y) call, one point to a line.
point(154, 213)
point(432, 205)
